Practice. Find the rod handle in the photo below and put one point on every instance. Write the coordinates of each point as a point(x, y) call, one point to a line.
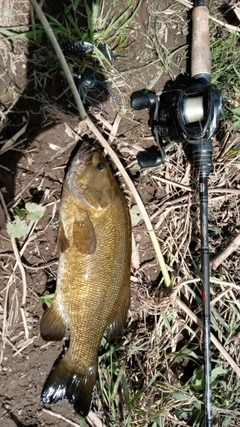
point(200, 52)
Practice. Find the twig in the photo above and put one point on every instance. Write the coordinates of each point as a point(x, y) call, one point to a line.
point(104, 122)
point(10, 143)
point(16, 253)
point(65, 148)
point(224, 283)
point(176, 184)
point(233, 246)
point(101, 139)
point(32, 266)
point(213, 339)
point(24, 323)
point(4, 324)
point(8, 341)
point(115, 126)
point(25, 345)
point(235, 191)
point(92, 418)
point(138, 200)
point(59, 416)
point(5, 168)
point(14, 201)
point(219, 296)
point(40, 266)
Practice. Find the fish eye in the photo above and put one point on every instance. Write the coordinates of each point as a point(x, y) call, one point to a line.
point(101, 166)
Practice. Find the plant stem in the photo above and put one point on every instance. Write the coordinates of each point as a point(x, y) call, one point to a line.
point(61, 58)
point(101, 139)
point(137, 198)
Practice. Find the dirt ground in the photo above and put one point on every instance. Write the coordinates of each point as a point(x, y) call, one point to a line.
point(31, 173)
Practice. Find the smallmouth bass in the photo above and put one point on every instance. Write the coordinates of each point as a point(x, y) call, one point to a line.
point(93, 281)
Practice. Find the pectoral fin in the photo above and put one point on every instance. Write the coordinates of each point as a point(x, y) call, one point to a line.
point(84, 238)
point(53, 325)
point(117, 320)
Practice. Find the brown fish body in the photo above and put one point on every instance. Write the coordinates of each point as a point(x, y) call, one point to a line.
point(93, 283)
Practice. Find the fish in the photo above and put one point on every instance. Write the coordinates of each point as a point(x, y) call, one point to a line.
point(92, 295)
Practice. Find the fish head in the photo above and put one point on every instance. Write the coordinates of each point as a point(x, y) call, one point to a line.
point(90, 178)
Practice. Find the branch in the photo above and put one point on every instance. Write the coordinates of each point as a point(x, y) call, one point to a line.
point(233, 246)
point(101, 139)
point(16, 253)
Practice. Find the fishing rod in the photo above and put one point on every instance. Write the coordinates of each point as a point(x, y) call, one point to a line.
point(190, 115)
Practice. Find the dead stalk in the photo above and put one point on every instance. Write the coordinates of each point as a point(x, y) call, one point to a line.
point(233, 246)
point(92, 418)
point(16, 253)
point(101, 139)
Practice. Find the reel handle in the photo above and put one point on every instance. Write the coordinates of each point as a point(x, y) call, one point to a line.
point(200, 51)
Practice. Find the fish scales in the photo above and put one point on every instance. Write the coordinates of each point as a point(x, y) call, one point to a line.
point(73, 281)
point(93, 283)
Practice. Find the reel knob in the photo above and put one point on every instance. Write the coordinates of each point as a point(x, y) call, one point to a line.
point(150, 160)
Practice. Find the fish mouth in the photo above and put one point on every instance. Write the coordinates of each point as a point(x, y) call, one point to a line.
point(85, 153)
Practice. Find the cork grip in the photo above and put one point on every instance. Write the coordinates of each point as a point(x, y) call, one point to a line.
point(201, 57)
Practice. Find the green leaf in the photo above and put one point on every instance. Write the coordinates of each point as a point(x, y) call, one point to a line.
point(83, 423)
point(236, 111)
point(181, 397)
point(136, 167)
point(185, 353)
point(226, 421)
point(167, 323)
point(219, 370)
point(34, 211)
point(46, 299)
point(21, 212)
point(17, 228)
point(126, 393)
point(236, 125)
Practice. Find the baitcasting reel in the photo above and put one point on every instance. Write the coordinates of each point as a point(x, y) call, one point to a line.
point(182, 115)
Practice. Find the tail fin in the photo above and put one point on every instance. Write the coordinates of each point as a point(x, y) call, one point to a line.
point(65, 382)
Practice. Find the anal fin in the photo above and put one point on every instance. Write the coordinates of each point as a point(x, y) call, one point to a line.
point(53, 325)
point(117, 320)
